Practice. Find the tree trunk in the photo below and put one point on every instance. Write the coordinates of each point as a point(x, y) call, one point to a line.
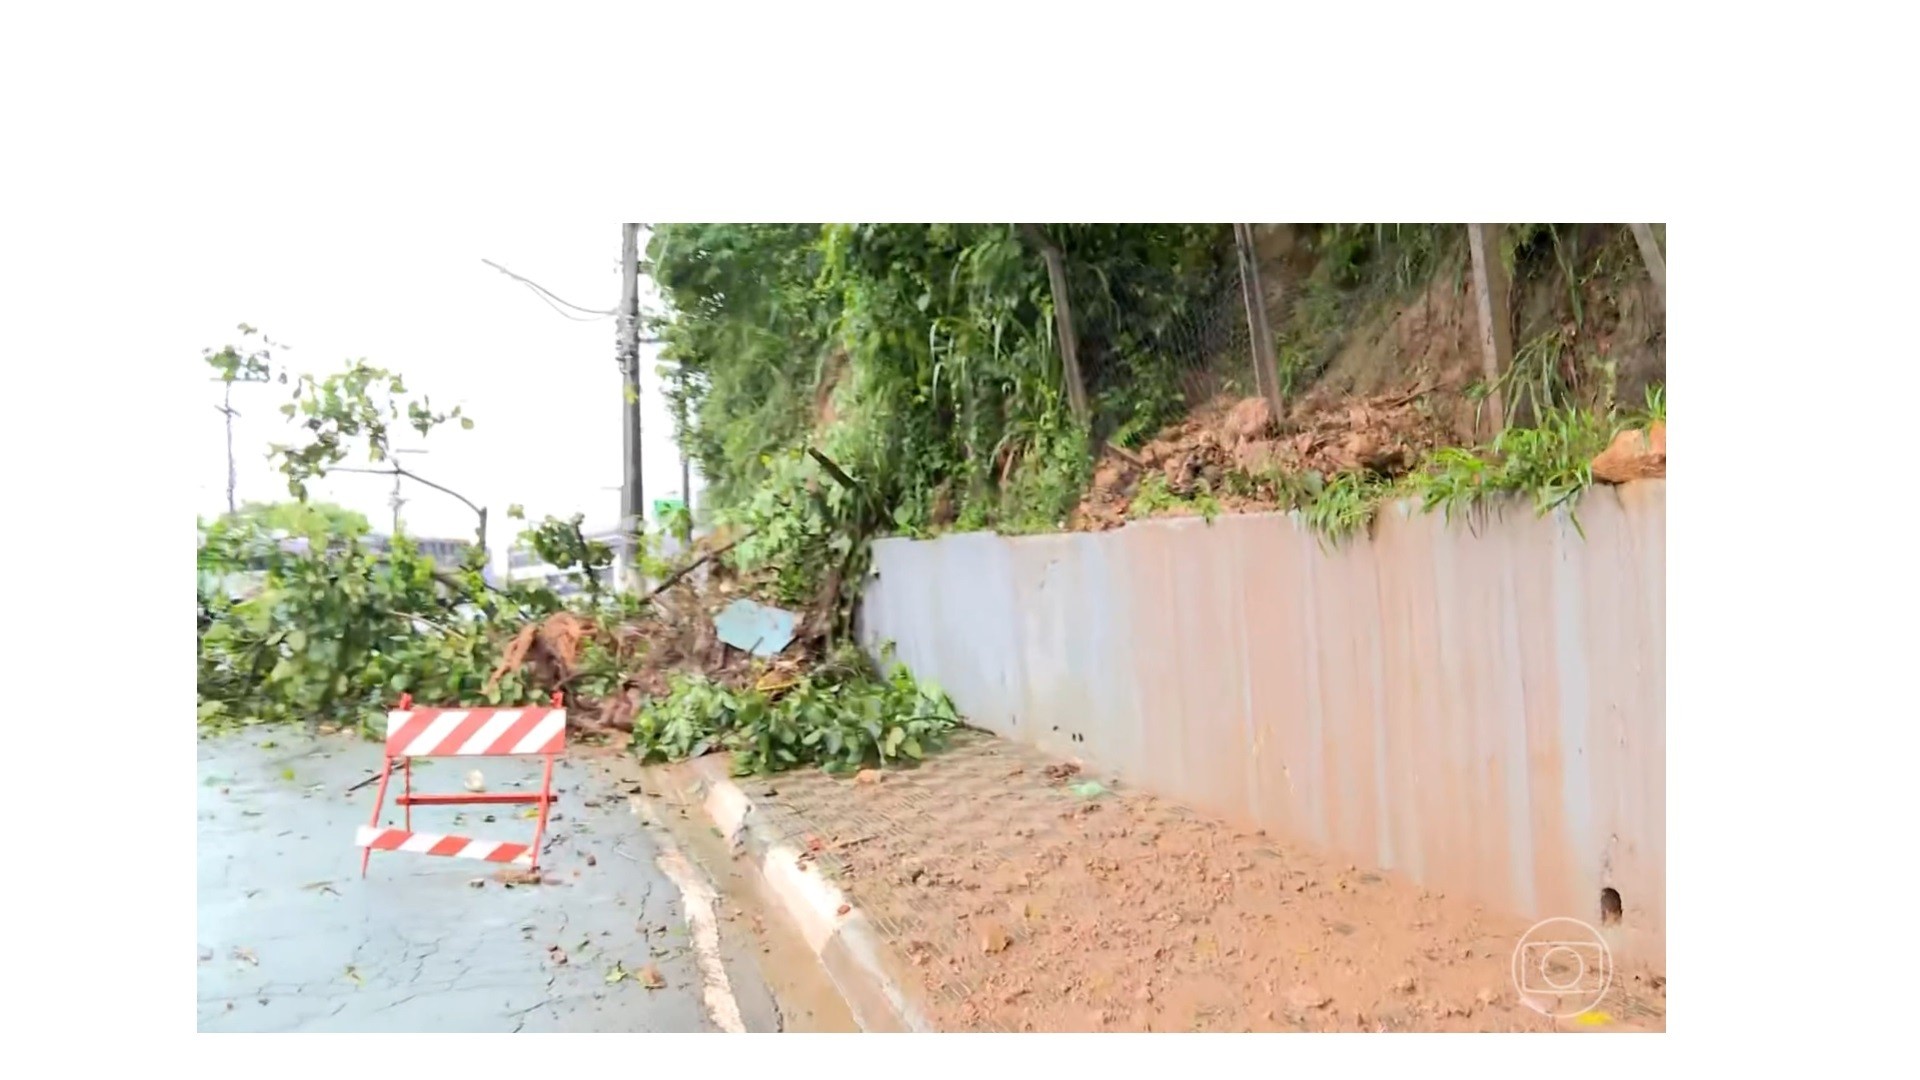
point(1490, 303)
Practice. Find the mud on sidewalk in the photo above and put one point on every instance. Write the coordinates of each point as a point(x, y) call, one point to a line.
point(1013, 893)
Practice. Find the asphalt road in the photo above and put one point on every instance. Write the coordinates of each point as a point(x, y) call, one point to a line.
point(292, 939)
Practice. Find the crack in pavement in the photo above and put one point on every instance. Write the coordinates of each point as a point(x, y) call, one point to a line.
point(426, 948)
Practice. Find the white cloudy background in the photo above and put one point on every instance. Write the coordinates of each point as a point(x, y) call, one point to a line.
point(543, 390)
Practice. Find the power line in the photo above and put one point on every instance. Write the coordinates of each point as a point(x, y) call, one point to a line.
point(552, 300)
point(549, 301)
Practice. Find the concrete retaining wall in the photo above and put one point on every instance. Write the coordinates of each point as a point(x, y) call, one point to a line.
point(1482, 709)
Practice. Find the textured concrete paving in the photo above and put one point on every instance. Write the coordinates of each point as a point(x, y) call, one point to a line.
point(291, 938)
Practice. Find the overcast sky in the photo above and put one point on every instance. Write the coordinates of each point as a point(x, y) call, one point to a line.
point(544, 391)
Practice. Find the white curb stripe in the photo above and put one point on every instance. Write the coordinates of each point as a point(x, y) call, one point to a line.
point(697, 900)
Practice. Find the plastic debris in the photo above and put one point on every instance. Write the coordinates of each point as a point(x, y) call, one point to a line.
point(756, 628)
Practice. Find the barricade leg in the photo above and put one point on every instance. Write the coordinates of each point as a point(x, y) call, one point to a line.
point(406, 768)
point(379, 801)
point(546, 803)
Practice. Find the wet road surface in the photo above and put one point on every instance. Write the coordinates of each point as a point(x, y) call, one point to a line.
point(292, 939)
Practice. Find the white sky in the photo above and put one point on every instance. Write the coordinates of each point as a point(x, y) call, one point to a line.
point(544, 391)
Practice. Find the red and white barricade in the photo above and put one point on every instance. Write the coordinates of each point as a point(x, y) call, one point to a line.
point(483, 732)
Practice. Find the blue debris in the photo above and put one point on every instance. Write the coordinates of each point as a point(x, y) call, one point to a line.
point(756, 628)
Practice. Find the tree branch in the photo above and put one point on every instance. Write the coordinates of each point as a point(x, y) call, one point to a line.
point(674, 578)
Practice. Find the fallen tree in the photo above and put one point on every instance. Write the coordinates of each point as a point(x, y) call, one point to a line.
point(336, 631)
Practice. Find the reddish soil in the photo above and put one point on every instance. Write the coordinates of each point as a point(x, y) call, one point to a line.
point(1025, 906)
point(1634, 455)
point(1233, 451)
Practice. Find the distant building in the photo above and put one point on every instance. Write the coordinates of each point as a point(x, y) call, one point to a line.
point(447, 554)
point(523, 565)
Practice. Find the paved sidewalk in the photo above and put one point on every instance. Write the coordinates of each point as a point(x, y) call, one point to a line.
point(1021, 899)
point(291, 938)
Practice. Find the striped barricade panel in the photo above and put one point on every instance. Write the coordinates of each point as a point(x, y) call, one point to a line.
point(475, 732)
point(459, 847)
point(480, 732)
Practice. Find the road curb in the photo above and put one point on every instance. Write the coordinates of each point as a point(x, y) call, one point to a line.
point(839, 934)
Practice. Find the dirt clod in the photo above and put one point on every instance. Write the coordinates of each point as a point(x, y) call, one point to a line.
point(1304, 998)
point(1633, 455)
point(1250, 419)
point(993, 937)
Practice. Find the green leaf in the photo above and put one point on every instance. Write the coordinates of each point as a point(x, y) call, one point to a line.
point(466, 423)
point(911, 747)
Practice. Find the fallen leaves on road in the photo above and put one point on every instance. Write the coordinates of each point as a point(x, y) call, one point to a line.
point(354, 975)
point(557, 954)
point(648, 976)
point(245, 956)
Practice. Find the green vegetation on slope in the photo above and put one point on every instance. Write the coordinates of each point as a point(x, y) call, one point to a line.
point(924, 361)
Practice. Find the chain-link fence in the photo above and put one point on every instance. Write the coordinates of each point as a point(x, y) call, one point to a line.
point(1158, 342)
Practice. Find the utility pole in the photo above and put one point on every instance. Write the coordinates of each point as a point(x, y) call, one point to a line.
point(395, 500)
point(686, 481)
point(632, 507)
point(226, 407)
